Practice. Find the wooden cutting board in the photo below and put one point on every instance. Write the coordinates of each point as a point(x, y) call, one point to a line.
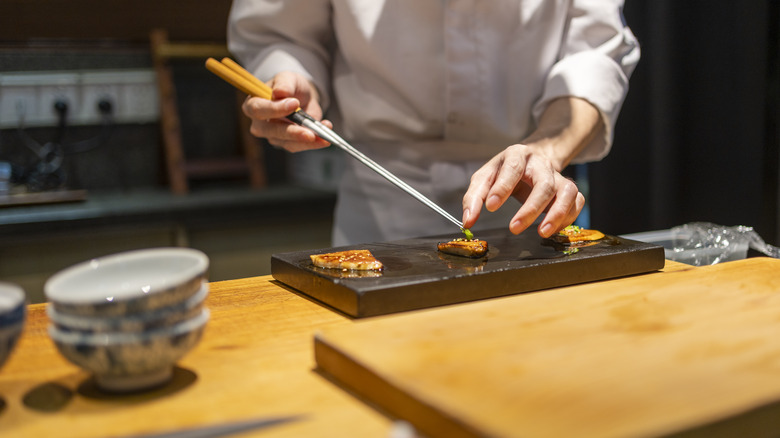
point(692, 352)
point(417, 276)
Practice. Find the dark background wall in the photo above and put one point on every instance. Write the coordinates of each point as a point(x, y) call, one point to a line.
point(697, 139)
point(116, 20)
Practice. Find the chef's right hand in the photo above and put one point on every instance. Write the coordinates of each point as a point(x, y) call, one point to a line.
point(290, 92)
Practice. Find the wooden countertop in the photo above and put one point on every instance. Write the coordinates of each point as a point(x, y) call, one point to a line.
point(256, 360)
point(692, 353)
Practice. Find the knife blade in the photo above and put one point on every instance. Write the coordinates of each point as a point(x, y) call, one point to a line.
point(236, 75)
point(220, 430)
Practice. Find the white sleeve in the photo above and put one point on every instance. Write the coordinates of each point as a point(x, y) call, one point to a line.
point(598, 54)
point(268, 37)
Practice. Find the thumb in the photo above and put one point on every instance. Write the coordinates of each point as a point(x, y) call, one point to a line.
point(288, 84)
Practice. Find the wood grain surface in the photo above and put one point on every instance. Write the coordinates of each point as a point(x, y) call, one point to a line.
point(254, 361)
point(687, 351)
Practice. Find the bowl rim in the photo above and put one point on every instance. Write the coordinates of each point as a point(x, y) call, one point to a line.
point(15, 293)
point(121, 338)
point(13, 305)
point(82, 322)
point(57, 287)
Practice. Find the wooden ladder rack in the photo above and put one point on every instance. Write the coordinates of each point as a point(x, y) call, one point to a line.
point(181, 170)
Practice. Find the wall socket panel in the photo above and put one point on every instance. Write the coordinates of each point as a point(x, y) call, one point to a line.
point(28, 98)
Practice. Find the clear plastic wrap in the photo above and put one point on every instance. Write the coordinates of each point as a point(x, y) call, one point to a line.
point(704, 243)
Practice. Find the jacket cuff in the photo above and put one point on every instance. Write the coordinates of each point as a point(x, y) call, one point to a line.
point(604, 85)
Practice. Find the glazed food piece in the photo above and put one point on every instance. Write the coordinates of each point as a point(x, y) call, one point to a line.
point(575, 234)
point(472, 248)
point(350, 260)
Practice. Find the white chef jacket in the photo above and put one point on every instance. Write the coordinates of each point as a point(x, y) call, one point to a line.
point(431, 89)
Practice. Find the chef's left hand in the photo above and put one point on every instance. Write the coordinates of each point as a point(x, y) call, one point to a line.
point(530, 171)
point(526, 174)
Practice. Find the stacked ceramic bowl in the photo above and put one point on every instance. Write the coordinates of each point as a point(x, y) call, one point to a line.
point(129, 317)
point(13, 310)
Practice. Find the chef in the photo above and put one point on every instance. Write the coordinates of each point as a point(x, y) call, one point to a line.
point(477, 104)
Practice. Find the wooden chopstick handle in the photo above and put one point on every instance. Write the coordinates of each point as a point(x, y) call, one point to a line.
point(296, 117)
point(237, 80)
point(237, 76)
point(233, 65)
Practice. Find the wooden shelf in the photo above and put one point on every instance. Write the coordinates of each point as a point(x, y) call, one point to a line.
point(53, 197)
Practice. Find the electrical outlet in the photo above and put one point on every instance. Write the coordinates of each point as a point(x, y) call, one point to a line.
point(17, 105)
point(62, 89)
point(131, 94)
point(30, 98)
point(95, 88)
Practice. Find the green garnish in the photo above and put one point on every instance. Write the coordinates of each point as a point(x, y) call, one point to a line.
point(571, 229)
point(468, 233)
point(570, 251)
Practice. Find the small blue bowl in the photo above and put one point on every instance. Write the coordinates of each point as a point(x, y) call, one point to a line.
point(134, 322)
point(12, 304)
point(129, 282)
point(13, 311)
point(127, 362)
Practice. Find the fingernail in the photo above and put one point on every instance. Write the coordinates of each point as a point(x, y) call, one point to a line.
point(547, 230)
point(466, 215)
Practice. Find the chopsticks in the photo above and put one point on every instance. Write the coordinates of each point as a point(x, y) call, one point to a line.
point(237, 76)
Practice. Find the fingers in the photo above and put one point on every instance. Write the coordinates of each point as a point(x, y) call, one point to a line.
point(495, 182)
point(476, 194)
point(562, 207)
point(269, 122)
point(543, 192)
point(258, 108)
point(286, 135)
point(290, 92)
point(530, 178)
point(514, 167)
point(284, 85)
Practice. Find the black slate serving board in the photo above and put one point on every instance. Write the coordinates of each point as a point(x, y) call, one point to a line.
point(417, 276)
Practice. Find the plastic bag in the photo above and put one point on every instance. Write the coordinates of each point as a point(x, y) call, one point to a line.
point(704, 243)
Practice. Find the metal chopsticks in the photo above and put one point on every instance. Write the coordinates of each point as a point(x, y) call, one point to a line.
point(237, 76)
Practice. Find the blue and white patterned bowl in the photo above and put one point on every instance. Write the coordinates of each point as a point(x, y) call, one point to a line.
point(134, 322)
point(13, 311)
point(9, 337)
point(124, 362)
point(129, 282)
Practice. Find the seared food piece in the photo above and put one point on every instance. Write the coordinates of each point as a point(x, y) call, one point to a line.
point(464, 247)
point(352, 260)
point(575, 234)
